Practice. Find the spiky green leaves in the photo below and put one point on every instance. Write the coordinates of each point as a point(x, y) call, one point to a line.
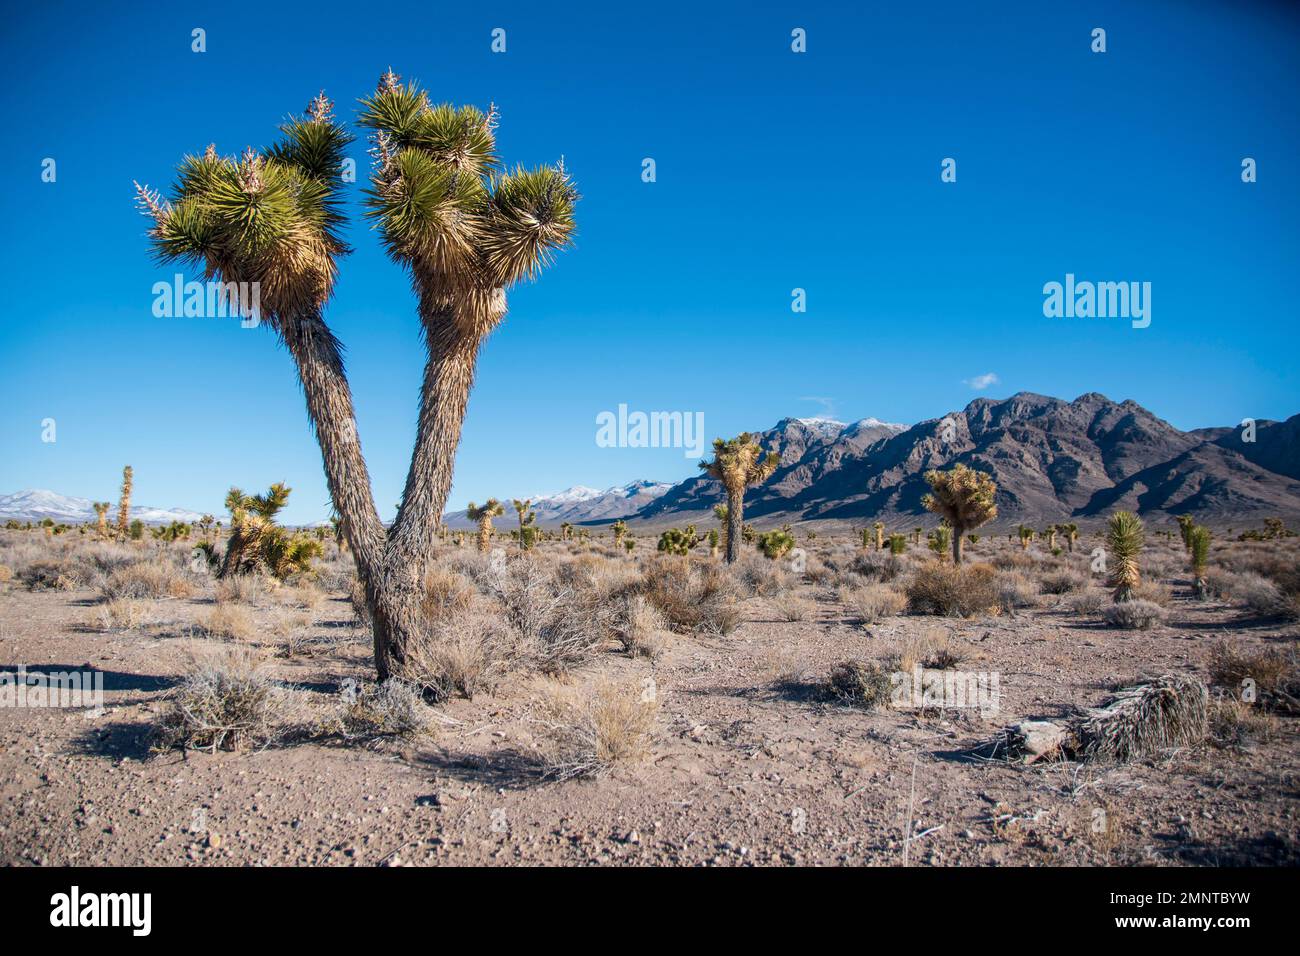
point(1124, 538)
point(739, 462)
point(269, 218)
point(489, 509)
point(965, 497)
point(443, 209)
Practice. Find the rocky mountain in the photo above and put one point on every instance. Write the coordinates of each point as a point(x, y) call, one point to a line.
point(580, 505)
point(1052, 460)
point(37, 504)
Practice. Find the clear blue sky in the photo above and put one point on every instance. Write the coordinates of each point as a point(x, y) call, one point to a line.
point(775, 171)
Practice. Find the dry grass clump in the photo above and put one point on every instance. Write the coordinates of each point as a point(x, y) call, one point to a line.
point(559, 625)
point(224, 703)
point(1271, 675)
point(1087, 602)
point(126, 614)
point(227, 622)
point(760, 577)
point(693, 597)
point(640, 627)
point(586, 734)
point(1062, 581)
point(394, 708)
point(146, 579)
point(932, 649)
point(791, 607)
point(949, 590)
point(466, 654)
point(879, 565)
point(1253, 592)
point(1146, 719)
point(244, 589)
point(6, 574)
point(860, 683)
point(1015, 591)
point(1237, 725)
point(1134, 615)
point(49, 576)
point(873, 602)
point(446, 593)
point(1157, 592)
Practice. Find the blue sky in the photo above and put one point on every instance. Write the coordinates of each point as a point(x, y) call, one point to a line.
point(775, 171)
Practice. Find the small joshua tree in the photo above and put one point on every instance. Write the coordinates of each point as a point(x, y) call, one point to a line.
point(866, 538)
point(1026, 535)
point(879, 527)
point(619, 528)
point(484, 515)
point(526, 518)
point(1071, 534)
point(897, 543)
point(101, 518)
point(714, 538)
point(1186, 524)
point(941, 541)
point(1050, 534)
point(1198, 540)
point(124, 503)
point(675, 541)
point(965, 498)
point(720, 512)
point(1124, 535)
point(738, 463)
point(774, 544)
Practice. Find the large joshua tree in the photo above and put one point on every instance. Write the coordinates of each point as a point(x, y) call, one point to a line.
point(738, 463)
point(465, 232)
point(124, 503)
point(965, 497)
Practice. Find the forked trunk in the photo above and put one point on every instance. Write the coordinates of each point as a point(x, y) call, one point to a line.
point(735, 522)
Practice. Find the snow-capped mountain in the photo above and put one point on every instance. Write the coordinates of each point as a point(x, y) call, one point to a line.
point(37, 503)
point(580, 504)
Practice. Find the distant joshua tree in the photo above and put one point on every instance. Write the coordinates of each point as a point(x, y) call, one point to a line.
point(738, 463)
point(566, 531)
point(897, 543)
point(963, 497)
point(720, 512)
point(526, 518)
point(879, 527)
point(1050, 534)
point(124, 503)
point(101, 518)
point(1124, 534)
point(484, 515)
point(619, 528)
point(465, 230)
point(1186, 523)
point(1071, 534)
point(1199, 549)
point(1026, 535)
point(676, 541)
point(775, 544)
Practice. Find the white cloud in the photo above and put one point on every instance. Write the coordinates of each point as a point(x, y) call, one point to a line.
point(981, 382)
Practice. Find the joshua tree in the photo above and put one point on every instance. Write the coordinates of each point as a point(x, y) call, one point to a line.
point(774, 544)
point(526, 518)
point(124, 503)
point(942, 540)
point(1026, 535)
point(1199, 548)
point(866, 538)
point(1185, 525)
point(720, 512)
point(1050, 534)
point(965, 498)
point(484, 515)
point(1071, 535)
point(714, 538)
point(897, 543)
point(101, 518)
point(465, 232)
point(674, 541)
point(1124, 539)
point(566, 531)
point(879, 527)
point(738, 463)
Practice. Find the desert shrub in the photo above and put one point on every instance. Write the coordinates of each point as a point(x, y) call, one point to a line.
point(1157, 592)
point(879, 565)
point(1134, 615)
point(1235, 724)
point(1015, 561)
point(1015, 590)
point(693, 597)
point(446, 593)
point(223, 704)
point(1272, 674)
point(761, 578)
point(932, 649)
point(1062, 581)
point(791, 607)
point(640, 627)
point(952, 590)
point(874, 601)
point(587, 734)
point(559, 625)
point(394, 708)
point(1087, 602)
point(1256, 594)
point(243, 589)
point(227, 622)
point(126, 614)
point(146, 579)
point(861, 683)
point(49, 575)
point(465, 653)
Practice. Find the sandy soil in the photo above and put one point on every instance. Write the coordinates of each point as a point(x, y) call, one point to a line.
point(749, 765)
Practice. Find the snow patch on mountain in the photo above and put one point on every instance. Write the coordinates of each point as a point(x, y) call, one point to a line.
point(35, 504)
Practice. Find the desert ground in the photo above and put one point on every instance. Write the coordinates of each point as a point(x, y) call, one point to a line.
point(581, 704)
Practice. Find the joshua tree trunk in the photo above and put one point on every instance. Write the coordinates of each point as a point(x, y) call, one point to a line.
point(735, 522)
point(484, 535)
point(958, 533)
point(880, 539)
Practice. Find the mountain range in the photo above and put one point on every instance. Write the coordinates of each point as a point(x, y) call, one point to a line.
point(1053, 460)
